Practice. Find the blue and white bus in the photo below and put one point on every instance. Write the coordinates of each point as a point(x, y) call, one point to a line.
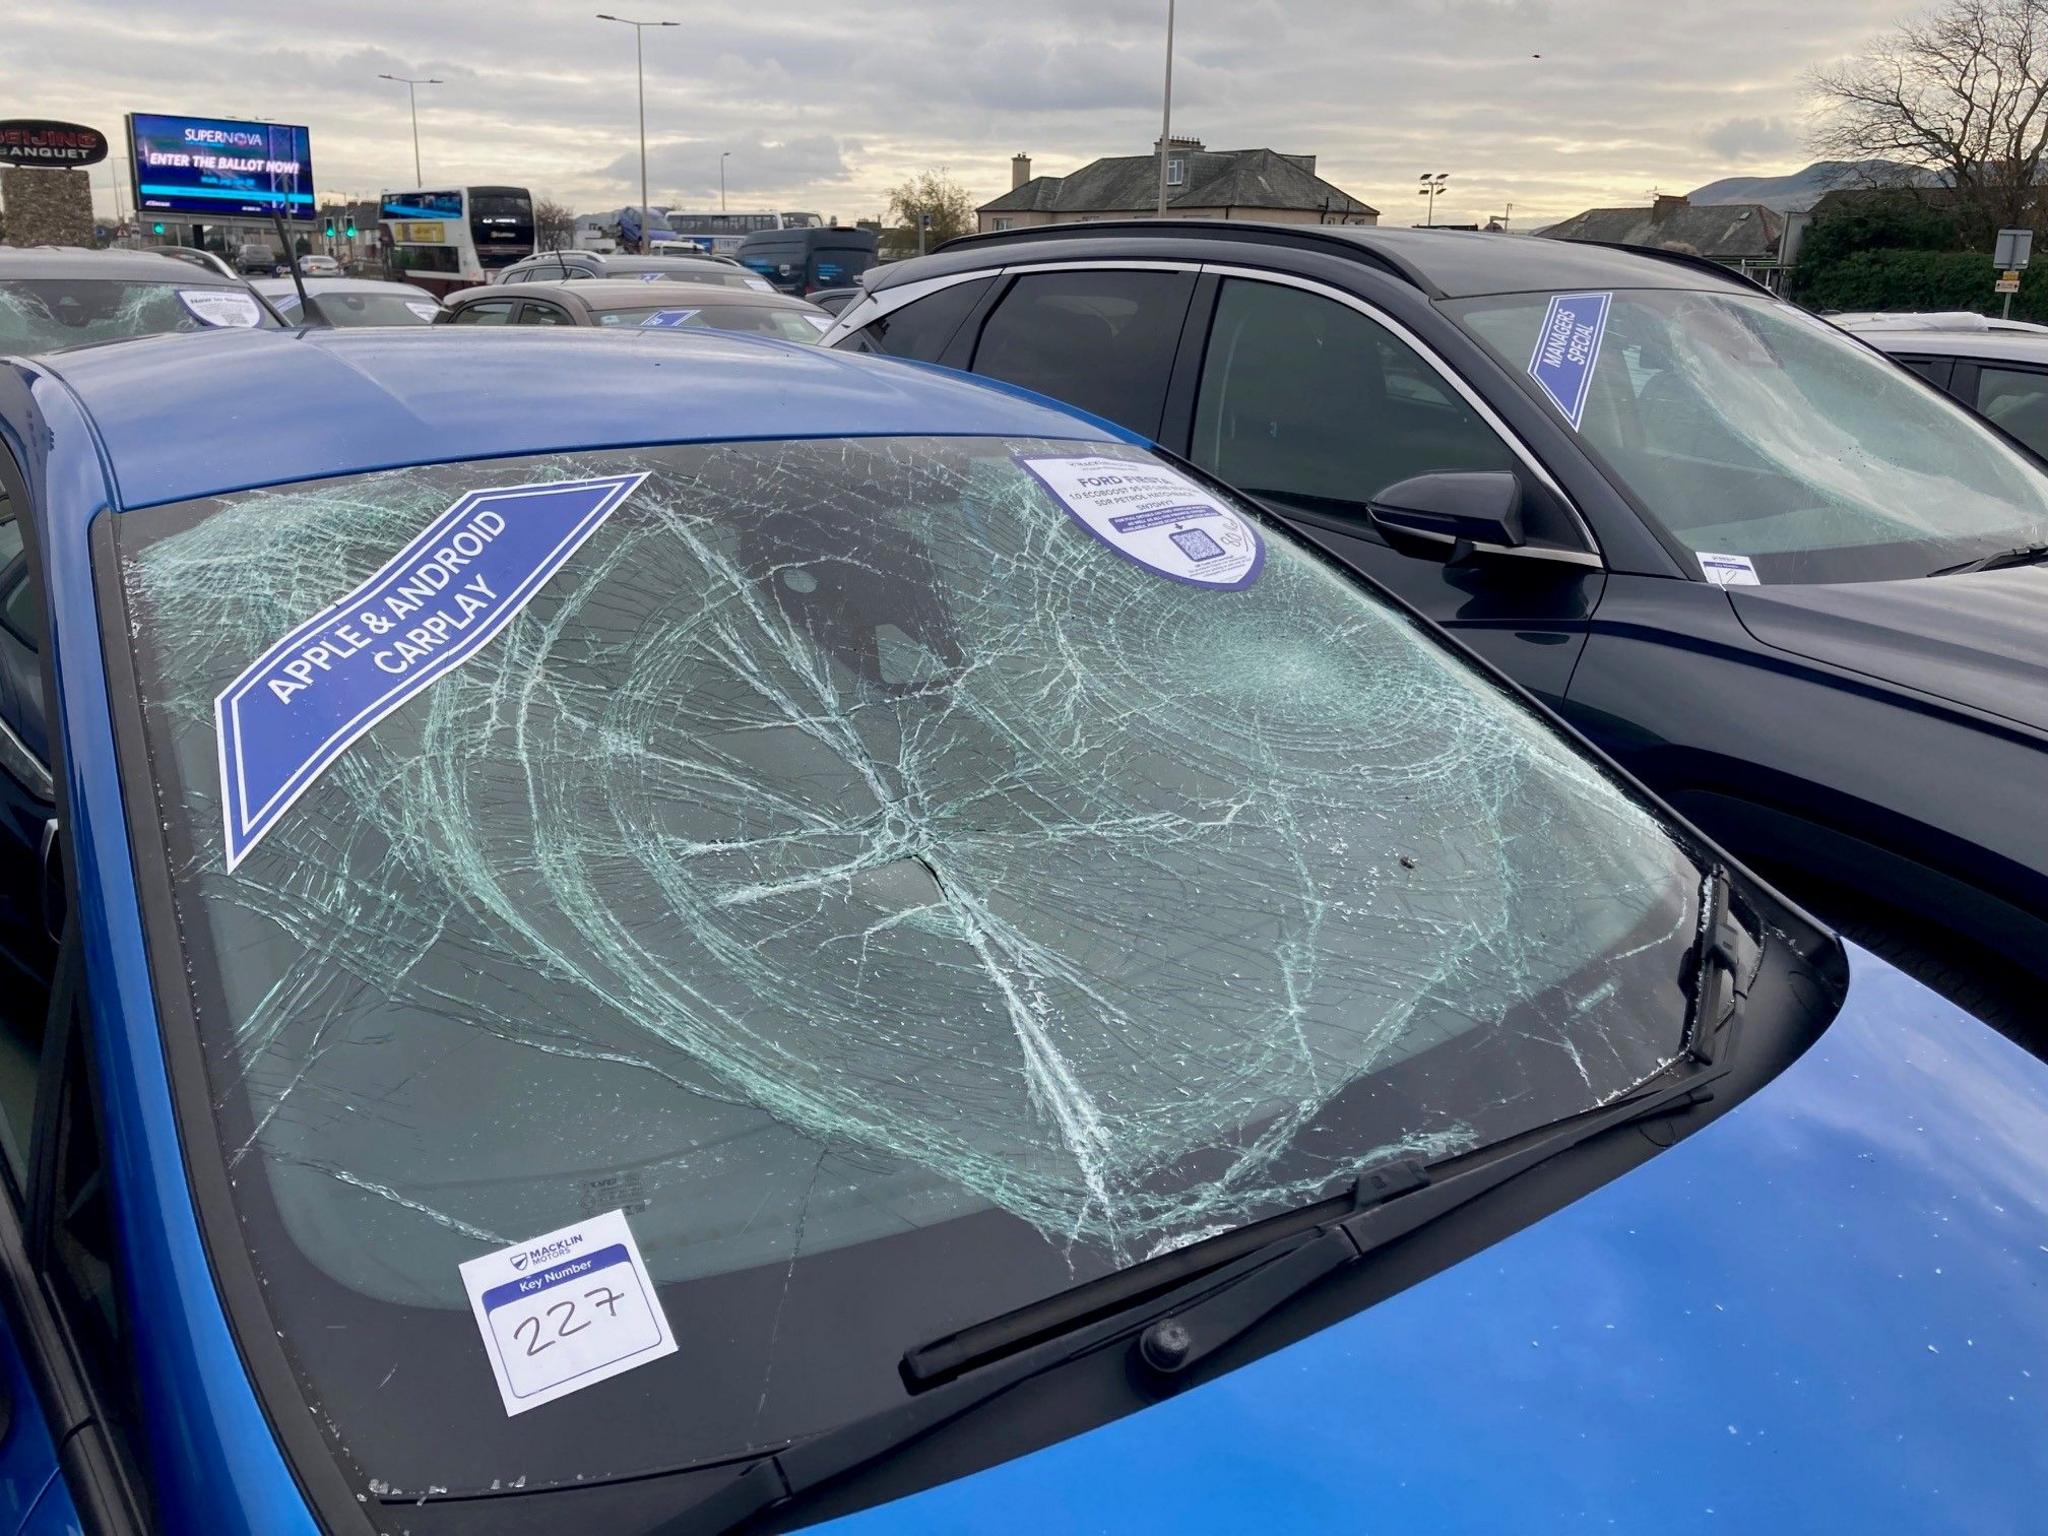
point(451, 238)
point(720, 232)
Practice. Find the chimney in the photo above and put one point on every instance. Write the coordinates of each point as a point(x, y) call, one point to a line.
point(1191, 146)
point(1020, 171)
point(1665, 204)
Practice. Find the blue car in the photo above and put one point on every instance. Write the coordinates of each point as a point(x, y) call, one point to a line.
point(694, 934)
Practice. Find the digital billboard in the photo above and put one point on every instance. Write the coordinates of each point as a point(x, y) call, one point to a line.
point(220, 166)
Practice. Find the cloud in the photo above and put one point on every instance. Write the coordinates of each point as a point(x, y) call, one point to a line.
point(1550, 107)
point(1745, 138)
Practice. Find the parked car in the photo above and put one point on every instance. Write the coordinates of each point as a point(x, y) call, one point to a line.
point(255, 259)
point(319, 266)
point(1716, 533)
point(52, 297)
point(351, 301)
point(801, 261)
point(2000, 374)
point(192, 255)
point(834, 299)
point(629, 304)
point(1929, 320)
point(870, 929)
point(682, 267)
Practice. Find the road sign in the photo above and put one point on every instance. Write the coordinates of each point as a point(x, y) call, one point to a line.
point(2009, 283)
point(2012, 250)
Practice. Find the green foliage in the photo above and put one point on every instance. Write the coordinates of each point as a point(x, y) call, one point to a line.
point(1896, 252)
point(1918, 280)
point(930, 192)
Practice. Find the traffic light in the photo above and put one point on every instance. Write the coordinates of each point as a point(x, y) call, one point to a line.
point(157, 228)
point(330, 229)
point(351, 227)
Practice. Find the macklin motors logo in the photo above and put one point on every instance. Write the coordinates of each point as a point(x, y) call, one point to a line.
point(546, 1253)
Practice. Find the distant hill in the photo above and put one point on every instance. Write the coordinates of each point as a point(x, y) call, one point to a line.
point(1802, 189)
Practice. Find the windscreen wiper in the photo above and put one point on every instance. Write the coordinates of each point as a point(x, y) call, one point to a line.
point(2026, 554)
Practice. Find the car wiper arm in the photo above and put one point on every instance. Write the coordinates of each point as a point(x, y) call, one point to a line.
point(2026, 554)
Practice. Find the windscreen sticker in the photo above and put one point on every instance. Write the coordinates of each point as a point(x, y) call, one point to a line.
point(1156, 517)
point(1567, 348)
point(222, 307)
point(822, 322)
point(426, 309)
point(668, 318)
point(761, 283)
point(1729, 570)
point(432, 606)
point(566, 1310)
point(652, 277)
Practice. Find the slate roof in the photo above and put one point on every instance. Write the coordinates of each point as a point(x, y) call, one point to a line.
point(1228, 178)
point(1724, 231)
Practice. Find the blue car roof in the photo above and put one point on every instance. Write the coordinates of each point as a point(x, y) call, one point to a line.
point(203, 413)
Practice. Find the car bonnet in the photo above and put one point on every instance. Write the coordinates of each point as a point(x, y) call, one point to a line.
point(1822, 1311)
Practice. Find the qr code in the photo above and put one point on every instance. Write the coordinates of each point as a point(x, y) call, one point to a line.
point(1196, 544)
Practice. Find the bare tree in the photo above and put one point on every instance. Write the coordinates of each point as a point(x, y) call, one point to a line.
point(1962, 91)
point(554, 225)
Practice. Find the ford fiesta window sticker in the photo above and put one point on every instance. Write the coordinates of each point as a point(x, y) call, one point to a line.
point(1156, 517)
point(566, 1310)
point(1567, 348)
point(1729, 570)
point(221, 307)
point(668, 319)
point(431, 607)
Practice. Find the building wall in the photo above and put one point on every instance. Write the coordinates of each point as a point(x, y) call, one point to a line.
point(47, 207)
point(995, 221)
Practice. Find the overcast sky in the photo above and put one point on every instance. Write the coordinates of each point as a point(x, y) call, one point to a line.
point(1551, 105)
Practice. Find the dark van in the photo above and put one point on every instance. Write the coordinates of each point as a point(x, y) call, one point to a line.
point(800, 261)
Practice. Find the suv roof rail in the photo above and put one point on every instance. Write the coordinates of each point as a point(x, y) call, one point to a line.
point(1308, 235)
point(1682, 259)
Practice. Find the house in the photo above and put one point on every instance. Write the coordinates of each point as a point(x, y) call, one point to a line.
point(1201, 183)
point(1742, 235)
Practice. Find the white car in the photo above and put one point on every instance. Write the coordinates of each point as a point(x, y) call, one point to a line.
point(319, 266)
point(350, 301)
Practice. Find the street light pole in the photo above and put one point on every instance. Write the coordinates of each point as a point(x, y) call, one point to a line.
point(412, 98)
point(723, 156)
point(1166, 112)
point(640, 76)
point(1431, 188)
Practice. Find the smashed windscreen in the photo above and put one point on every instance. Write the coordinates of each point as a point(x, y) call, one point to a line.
point(47, 314)
point(900, 882)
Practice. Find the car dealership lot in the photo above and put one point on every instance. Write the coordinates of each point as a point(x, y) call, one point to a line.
point(696, 932)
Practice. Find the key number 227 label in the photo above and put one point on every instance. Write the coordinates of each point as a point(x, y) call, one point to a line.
point(566, 1310)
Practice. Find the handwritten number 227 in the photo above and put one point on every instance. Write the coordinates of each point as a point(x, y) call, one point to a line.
point(603, 1295)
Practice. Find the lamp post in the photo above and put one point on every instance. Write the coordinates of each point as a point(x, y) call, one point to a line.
point(1166, 112)
point(1432, 188)
point(412, 99)
point(723, 156)
point(640, 74)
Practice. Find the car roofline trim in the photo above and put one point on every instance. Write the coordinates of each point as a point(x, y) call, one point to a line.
point(1449, 375)
point(872, 305)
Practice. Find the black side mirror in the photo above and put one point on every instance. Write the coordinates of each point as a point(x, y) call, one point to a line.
point(1450, 515)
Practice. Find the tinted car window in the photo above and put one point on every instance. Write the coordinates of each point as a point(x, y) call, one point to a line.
point(1101, 340)
point(2015, 400)
point(1306, 400)
point(897, 900)
point(921, 328)
point(537, 313)
point(486, 312)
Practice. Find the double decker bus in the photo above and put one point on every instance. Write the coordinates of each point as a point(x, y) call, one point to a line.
point(449, 238)
point(720, 233)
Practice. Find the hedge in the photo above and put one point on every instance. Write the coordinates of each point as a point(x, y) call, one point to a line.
point(1917, 280)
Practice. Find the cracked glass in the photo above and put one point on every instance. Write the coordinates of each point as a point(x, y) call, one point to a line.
point(899, 903)
point(46, 314)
